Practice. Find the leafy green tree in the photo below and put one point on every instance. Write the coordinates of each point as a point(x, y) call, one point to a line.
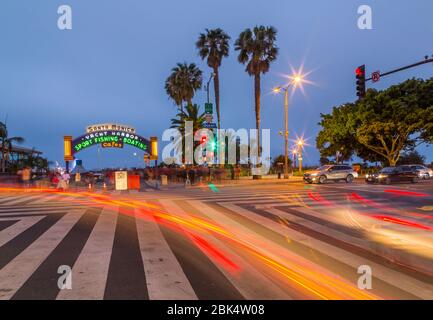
point(213, 45)
point(183, 82)
point(280, 159)
point(257, 49)
point(7, 144)
point(324, 161)
point(412, 157)
point(382, 125)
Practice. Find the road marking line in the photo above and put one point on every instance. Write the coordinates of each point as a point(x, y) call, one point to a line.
point(16, 272)
point(11, 232)
point(89, 273)
point(250, 281)
point(164, 275)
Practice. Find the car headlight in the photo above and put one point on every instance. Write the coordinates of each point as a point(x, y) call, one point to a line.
point(313, 174)
point(381, 176)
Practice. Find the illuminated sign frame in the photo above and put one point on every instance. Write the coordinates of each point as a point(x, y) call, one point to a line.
point(109, 126)
point(120, 138)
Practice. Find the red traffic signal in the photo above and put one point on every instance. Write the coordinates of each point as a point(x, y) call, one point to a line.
point(203, 139)
point(360, 81)
point(360, 71)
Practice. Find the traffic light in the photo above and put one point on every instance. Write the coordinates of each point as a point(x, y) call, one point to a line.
point(203, 139)
point(360, 81)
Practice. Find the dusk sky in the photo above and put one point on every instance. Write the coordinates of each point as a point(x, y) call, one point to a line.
point(112, 65)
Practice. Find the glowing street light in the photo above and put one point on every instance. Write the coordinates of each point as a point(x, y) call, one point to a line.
point(300, 143)
point(296, 80)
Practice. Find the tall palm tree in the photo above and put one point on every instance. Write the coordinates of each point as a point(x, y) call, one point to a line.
point(185, 79)
point(214, 45)
point(6, 144)
point(257, 49)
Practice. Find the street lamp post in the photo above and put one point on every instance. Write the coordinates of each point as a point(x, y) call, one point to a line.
point(300, 146)
point(295, 81)
point(294, 151)
point(207, 86)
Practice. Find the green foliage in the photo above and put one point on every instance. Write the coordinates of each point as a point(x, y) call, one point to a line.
point(382, 125)
point(412, 157)
point(184, 80)
point(257, 49)
point(7, 144)
point(280, 159)
point(214, 46)
point(191, 113)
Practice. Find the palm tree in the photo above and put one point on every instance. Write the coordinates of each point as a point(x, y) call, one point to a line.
point(6, 144)
point(257, 49)
point(173, 90)
point(191, 113)
point(214, 45)
point(183, 82)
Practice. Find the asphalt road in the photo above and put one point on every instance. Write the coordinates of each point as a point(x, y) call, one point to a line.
point(249, 241)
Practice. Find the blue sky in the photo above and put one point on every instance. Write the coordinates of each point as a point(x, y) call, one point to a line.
point(112, 65)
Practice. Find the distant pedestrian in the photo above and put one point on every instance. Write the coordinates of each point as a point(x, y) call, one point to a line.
point(65, 178)
point(26, 174)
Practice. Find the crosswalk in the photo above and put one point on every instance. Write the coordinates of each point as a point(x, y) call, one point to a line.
point(234, 243)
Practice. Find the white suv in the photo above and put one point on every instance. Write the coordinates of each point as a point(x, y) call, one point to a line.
point(423, 171)
point(335, 172)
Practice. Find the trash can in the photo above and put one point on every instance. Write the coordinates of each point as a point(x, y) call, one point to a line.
point(164, 180)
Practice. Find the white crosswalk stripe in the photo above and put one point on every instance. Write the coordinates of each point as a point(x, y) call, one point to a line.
point(17, 228)
point(91, 268)
point(164, 276)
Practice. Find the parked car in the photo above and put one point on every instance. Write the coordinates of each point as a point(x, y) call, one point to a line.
point(334, 172)
point(423, 171)
point(393, 174)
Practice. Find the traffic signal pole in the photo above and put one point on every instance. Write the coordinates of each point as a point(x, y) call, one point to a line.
point(427, 60)
point(361, 79)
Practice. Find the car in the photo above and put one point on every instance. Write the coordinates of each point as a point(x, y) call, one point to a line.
point(334, 172)
point(423, 171)
point(389, 175)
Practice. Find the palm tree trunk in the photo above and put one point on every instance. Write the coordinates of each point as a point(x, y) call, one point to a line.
point(216, 85)
point(257, 105)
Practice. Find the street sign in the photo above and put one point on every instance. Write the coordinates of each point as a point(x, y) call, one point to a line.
point(209, 117)
point(375, 76)
point(209, 125)
point(208, 108)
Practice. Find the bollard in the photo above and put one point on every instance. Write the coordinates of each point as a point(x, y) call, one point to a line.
point(187, 183)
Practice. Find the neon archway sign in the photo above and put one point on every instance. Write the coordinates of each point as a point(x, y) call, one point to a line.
point(109, 136)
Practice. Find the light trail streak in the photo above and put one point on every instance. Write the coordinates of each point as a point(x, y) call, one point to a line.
point(318, 284)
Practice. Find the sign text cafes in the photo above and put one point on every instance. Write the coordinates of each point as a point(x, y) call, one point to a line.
point(109, 139)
